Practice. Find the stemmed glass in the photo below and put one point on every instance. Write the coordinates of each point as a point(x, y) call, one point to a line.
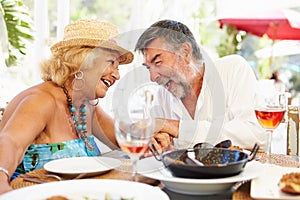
point(270, 107)
point(133, 133)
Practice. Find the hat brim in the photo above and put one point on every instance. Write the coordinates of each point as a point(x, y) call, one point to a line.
point(126, 56)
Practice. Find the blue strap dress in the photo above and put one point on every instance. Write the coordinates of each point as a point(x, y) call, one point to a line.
point(39, 154)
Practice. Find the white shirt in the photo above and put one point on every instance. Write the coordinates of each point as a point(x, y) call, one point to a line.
point(225, 106)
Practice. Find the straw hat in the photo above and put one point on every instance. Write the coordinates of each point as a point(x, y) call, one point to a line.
point(92, 33)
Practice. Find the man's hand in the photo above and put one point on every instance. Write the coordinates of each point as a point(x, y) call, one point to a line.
point(165, 131)
point(169, 126)
point(162, 141)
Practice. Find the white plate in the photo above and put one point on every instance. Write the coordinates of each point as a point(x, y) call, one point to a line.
point(90, 166)
point(265, 186)
point(152, 168)
point(88, 189)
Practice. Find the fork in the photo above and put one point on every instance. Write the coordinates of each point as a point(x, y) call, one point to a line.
point(39, 179)
point(41, 176)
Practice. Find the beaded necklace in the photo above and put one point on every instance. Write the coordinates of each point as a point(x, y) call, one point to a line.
point(79, 122)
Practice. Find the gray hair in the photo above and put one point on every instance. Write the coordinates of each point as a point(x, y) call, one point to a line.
point(173, 32)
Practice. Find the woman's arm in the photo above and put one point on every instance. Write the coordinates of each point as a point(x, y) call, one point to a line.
point(23, 120)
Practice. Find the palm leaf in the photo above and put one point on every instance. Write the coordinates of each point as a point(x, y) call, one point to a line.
point(19, 31)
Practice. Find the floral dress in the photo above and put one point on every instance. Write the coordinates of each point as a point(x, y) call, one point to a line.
point(39, 154)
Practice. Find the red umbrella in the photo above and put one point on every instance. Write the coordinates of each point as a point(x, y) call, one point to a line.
point(278, 25)
point(281, 24)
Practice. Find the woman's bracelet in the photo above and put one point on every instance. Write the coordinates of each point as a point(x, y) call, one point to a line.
point(5, 172)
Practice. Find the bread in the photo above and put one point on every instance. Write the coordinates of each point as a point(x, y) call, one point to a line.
point(58, 197)
point(290, 183)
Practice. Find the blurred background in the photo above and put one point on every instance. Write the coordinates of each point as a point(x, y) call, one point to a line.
point(29, 27)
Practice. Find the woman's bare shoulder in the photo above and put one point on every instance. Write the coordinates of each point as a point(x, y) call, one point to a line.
point(42, 95)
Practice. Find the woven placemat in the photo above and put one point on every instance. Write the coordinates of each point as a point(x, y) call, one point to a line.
point(20, 182)
point(122, 173)
point(281, 160)
point(243, 192)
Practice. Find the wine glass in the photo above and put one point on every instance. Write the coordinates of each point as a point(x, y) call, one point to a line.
point(133, 133)
point(270, 107)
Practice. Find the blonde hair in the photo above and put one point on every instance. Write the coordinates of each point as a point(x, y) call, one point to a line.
point(61, 67)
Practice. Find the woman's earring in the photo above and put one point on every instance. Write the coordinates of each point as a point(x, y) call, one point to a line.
point(94, 102)
point(78, 81)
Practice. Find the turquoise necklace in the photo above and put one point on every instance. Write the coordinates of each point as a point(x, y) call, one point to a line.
point(78, 121)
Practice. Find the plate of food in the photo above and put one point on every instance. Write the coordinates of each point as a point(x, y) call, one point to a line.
point(277, 183)
point(96, 189)
point(89, 166)
point(151, 168)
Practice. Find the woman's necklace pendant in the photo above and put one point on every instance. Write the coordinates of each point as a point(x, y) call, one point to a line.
point(79, 122)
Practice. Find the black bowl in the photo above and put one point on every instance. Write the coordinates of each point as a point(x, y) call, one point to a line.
point(215, 162)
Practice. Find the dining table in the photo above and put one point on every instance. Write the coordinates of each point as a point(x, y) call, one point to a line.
point(123, 172)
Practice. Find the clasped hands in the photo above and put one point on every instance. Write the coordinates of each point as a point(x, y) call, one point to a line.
point(165, 131)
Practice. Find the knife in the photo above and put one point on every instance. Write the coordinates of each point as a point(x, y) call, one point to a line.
point(34, 180)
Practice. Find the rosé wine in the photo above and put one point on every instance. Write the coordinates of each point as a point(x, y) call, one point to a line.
point(269, 119)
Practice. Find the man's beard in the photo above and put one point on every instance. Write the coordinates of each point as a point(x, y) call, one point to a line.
point(181, 89)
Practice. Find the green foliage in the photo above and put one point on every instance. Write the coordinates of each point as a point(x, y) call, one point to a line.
point(296, 81)
point(208, 27)
point(18, 25)
point(264, 69)
point(116, 12)
point(224, 41)
point(230, 41)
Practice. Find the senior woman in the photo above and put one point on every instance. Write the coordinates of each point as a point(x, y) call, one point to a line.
point(59, 118)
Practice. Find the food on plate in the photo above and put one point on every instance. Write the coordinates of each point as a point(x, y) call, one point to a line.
point(57, 197)
point(179, 162)
point(235, 148)
point(107, 196)
point(290, 183)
